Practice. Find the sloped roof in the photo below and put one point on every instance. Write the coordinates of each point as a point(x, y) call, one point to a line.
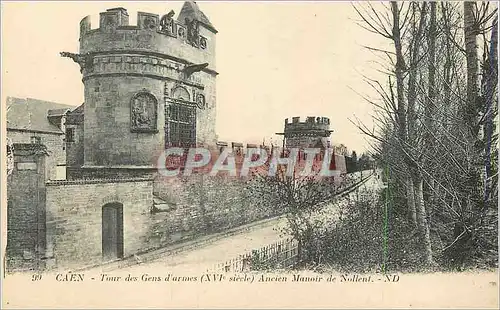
point(56, 112)
point(32, 114)
point(76, 116)
point(79, 109)
point(191, 10)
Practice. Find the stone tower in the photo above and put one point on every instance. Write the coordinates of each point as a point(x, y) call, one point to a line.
point(311, 133)
point(147, 86)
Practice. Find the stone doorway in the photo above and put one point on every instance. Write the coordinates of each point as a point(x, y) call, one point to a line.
point(112, 231)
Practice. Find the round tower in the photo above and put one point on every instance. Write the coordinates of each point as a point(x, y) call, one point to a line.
point(147, 86)
point(311, 133)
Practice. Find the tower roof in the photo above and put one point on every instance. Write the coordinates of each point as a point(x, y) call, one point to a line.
point(191, 10)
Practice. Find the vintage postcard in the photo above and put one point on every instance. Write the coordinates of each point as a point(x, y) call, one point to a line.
point(241, 154)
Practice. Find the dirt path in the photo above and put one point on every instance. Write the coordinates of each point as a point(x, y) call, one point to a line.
point(206, 256)
point(220, 251)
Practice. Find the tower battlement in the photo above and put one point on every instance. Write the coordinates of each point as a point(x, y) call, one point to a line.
point(188, 37)
point(313, 131)
point(309, 123)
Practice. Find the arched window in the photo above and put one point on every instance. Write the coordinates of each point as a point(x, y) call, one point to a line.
point(181, 93)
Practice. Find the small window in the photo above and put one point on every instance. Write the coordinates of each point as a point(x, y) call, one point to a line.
point(26, 166)
point(36, 140)
point(70, 134)
point(60, 172)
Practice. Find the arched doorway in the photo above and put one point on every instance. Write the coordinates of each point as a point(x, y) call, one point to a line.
point(112, 231)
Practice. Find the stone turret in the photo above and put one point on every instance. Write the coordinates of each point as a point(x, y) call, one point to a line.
point(147, 86)
point(313, 132)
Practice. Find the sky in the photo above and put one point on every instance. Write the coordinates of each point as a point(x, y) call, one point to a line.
point(275, 60)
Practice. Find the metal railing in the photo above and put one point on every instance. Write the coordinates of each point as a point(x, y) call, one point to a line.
point(281, 254)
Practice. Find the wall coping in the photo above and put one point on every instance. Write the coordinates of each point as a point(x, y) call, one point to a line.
point(57, 133)
point(95, 181)
point(132, 167)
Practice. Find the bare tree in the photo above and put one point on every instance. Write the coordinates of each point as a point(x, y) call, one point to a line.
point(299, 197)
point(429, 121)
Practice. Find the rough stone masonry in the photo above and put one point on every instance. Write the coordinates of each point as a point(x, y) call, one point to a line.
point(146, 87)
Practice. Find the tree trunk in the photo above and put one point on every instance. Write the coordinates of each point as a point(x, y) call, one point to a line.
point(410, 193)
point(412, 77)
point(447, 64)
point(491, 80)
point(430, 108)
point(401, 104)
point(412, 98)
point(400, 67)
point(471, 47)
point(423, 226)
point(431, 200)
point(471, 112)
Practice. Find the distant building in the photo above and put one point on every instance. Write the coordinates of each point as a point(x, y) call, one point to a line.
point(311, 133)
point(314, 132)
point(40, 122)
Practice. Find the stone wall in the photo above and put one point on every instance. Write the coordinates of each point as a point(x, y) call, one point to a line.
point(26, 209)
point(189, 207)
point(55, 146)
point(108, 173)
point(74, 149)
point(74, 218)
point(157, 212)
point(192, 207)
point(305, 141)
point(201, 205)
point(107, 131)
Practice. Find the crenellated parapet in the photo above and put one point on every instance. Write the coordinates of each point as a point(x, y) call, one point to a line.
point(313, 131)
point(310, 124)
point(240, 148)
point(188, 41)
point(186, 29)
